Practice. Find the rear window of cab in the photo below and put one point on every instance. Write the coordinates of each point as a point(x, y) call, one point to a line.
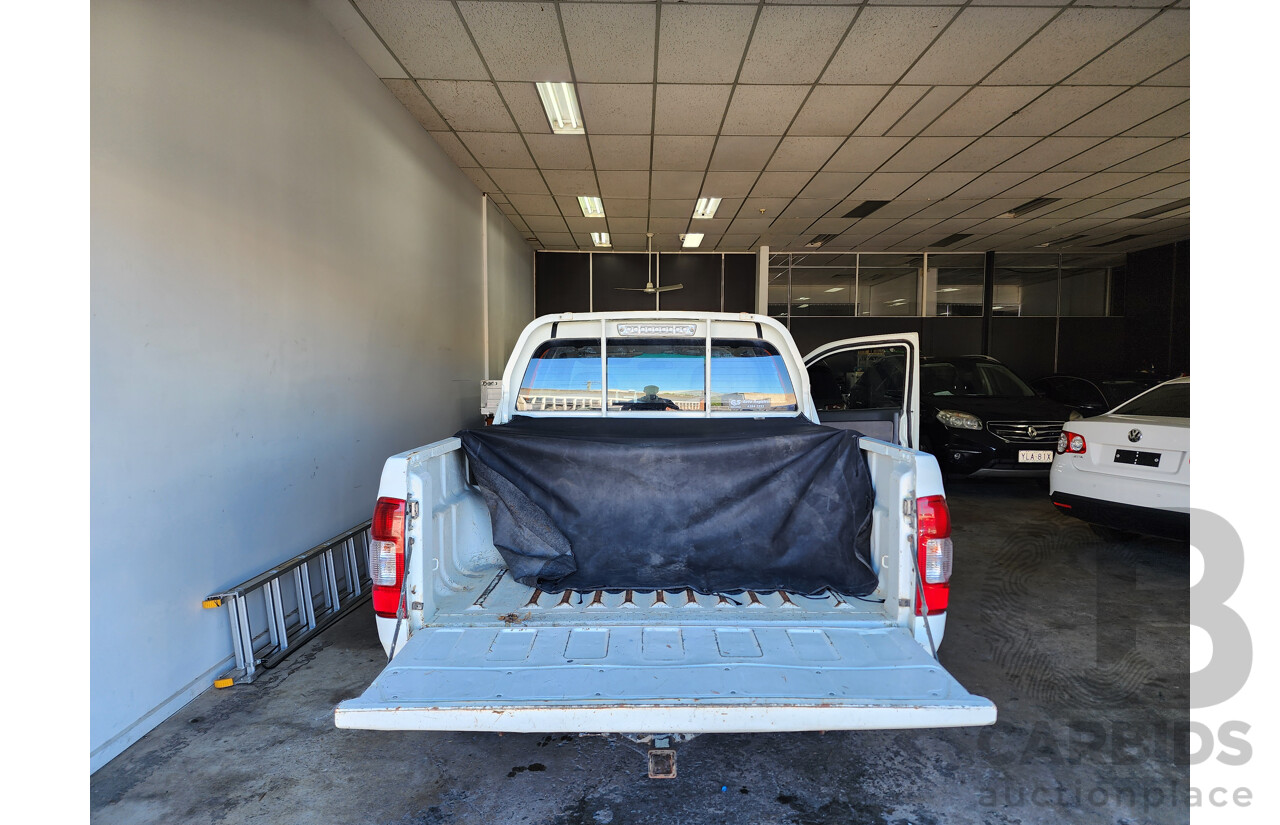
point(657, 375)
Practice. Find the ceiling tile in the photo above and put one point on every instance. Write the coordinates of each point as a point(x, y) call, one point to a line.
point(578, 224)
point(1107, 154)
point(546, 223)
point(885, 185)
point(682, 152)
point(702, 44)
point(427, 36)
point(628, 225)
point(628, 241)
point(1073, 39)
point(1047, 153)
point(922, 154)
point(936, 101)
point(829, 184)
point(616, 109)
point(1095, 184)
point(526, 107)
point(937, 185)
point(837, 110)
point(810, 207)
point(626, 207)
point(1148, 51)
point(884, 42)
point(975, 43)
point(559, 151)
point(748, 225)
point(864, 154)
point(982, 109)
point(667, 226)
point(801, 154)
point(780, 184)
point(986, 153)
point(407, 92)
point(1179, 74)
point(793, 48)
point(469, 105)
point(569, 205)
point(1041, 185)
point(677, 185)
point(610, 43)
point(557, 240)
point(736, 153)
point(1055, 109)
point(572, 183)
point(497, 149)
point(1161, 157)
point(519, 181)
point(1159, 182)
point(762, 110)
point(728, 185)
point(623, 185)
point(518, 41)
point(1127, 110)
point(891, 109)
point(480, 179)
point(532, 205)
point(454, 149)
point(989, 185)
point(690, 110)
point(664, 205)
point(620, 152)
point(1174, 123)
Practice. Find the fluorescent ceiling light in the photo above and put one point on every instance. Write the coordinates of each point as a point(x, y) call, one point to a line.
point(950, 289)
point(561, 105)
point(600, 238)
point(804, 298)
point(706, 208)
point(691, 239)
point(802, 306)
point(591, 207)
point(837, 289)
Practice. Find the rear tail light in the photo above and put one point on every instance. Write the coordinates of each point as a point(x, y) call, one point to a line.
point(933, 542)
point(1070, 442)
point(386, 555)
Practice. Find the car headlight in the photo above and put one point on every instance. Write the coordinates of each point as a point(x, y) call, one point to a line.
point(1075, 416)
point(959, 420)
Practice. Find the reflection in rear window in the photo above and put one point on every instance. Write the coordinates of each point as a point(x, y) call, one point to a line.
point(656, 375)
point(1167, 401)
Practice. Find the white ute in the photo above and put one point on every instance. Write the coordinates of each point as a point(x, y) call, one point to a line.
point(475, 650)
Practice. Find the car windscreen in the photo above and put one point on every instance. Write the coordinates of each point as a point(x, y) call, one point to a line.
point(972, 379)
point(657, 375)
point(1165, 401)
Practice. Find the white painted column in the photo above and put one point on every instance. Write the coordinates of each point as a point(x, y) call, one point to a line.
point(762, 281)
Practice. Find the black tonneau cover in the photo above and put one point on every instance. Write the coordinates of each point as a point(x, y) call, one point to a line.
point(716, 505)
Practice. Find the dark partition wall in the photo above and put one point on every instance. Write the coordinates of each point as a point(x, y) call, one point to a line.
point(951, 336)
point(617, 282)
point(1089, 345)
point(1024, 345)
point(1157, 309)
point(562, 283)
point(740, 283)
point(613, 281)
point(811, 333)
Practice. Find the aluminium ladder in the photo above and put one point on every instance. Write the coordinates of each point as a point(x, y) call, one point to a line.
point(276, 612)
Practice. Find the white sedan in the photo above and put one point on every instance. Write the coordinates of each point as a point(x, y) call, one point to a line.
point(1129, 470)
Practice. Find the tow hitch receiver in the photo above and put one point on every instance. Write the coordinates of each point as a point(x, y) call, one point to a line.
point(662, 759)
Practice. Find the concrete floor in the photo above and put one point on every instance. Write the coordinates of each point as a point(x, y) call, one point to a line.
point(1082, 645)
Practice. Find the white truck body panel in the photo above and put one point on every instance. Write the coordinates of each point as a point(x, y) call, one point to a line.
point(479, 651)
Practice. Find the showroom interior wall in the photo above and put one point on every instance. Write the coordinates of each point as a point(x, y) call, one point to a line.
point(285, 290)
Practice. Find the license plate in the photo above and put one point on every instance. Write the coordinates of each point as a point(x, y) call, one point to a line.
point(1035, 456)
point(1138, 458)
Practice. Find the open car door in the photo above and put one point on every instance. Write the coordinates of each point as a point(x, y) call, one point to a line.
point(869, 384)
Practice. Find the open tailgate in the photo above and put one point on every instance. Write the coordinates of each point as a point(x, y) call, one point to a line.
point(669, 679)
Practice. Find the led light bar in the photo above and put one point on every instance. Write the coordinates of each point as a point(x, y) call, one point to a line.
point(691, 239)
point(706, 208)
point(657, 329)
point(600, 238)
point(591, 207)
point(561, 105)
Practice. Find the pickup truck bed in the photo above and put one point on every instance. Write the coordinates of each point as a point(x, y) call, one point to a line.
point(489, 653)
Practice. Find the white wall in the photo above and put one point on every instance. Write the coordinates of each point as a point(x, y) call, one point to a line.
point(285, 290)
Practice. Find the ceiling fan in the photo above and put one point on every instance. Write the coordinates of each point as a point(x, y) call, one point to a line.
point(649, 288)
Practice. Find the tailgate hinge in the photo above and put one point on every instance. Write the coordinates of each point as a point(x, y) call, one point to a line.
point(908, 507)
point(412, 506)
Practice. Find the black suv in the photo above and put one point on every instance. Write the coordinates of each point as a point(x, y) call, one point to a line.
point(980, 419)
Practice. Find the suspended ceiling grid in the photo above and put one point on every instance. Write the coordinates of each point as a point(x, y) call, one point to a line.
point(954, 113)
